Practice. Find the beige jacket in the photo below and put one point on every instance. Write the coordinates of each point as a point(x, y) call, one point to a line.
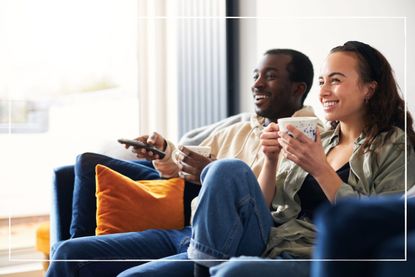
point(240, 140)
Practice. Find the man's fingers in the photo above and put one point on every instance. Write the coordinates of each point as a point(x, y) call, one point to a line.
point(272, 127)
point(152, 138)
point(187, 152)
point(270, 142)
point(191, 157)
point(142, 153)
point(188, 169)
point(189, 173)
point(269, 135)
point(189, 178)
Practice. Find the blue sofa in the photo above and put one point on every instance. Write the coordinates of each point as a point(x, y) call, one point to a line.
point(371, 230)
point(347, 230)
point(368, 229)
point(63, 182)
point(63, 189)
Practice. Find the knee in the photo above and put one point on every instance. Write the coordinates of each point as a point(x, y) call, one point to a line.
point(66, 250)
point(88, 158)
point(227, 175)
point(227, 168)
point(54, 247)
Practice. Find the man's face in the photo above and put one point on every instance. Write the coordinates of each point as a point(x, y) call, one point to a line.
point(272, 89)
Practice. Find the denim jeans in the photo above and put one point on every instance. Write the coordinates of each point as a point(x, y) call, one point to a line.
point(85, 250)
point(232, 218)
point(122, 249)
point(173, 266)
point(254, 266)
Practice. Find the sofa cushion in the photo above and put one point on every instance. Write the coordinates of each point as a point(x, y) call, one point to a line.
point(84, 202)
point(125, 205)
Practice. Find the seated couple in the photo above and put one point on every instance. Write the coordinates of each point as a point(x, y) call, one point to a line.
point(260, 205)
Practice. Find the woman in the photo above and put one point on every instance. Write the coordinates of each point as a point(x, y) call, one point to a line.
point(362, 155)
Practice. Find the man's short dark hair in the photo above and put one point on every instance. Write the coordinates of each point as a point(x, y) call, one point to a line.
point(300, 68)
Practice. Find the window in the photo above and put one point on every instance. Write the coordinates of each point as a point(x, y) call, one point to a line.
point(68, 84)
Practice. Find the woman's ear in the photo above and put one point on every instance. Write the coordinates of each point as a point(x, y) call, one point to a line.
point(371, 88)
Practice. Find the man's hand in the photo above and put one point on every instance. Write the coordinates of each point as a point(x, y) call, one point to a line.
point(154, 139)
point(191, 164)
point(269, 142)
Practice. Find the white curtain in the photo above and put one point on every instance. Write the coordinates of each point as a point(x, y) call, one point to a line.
point(182, 65)
point(152, 67)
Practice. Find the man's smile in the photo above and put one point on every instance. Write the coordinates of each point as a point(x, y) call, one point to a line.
point(260, 98)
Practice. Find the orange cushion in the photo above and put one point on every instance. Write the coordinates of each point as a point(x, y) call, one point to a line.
point(124, 205)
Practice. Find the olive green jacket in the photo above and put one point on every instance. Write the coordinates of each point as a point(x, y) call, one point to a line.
point(379, 171)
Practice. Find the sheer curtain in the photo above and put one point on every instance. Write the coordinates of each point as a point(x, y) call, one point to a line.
point(182, 65)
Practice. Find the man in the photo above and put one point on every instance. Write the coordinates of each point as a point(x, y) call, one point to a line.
point(282, 81)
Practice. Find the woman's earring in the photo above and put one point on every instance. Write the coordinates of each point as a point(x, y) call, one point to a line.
point(366, 100)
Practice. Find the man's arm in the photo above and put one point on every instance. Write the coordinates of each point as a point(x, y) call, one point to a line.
point(271, 149)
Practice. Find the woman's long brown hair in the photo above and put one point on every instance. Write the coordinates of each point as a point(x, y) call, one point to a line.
point(385, 108)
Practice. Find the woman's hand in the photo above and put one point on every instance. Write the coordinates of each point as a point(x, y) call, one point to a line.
point(269, 142)
point(302, 150)
point(310, 156)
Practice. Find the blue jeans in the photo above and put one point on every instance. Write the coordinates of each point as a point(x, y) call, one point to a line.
point(254, 266)
point(173, 266)
point(232, 218)
point(150, 244)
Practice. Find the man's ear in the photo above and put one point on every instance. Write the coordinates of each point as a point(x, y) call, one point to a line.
point(299, 89)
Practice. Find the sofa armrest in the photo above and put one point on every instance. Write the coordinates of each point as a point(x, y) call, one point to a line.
point(371, 228)
point(61, 213)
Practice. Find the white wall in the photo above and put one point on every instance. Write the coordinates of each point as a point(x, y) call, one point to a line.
point(315, 27)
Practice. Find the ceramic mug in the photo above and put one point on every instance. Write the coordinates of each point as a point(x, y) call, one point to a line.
point(202, 150)
point(307, 125)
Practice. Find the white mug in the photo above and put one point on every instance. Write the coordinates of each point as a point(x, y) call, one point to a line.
point(307, 125)
point(202, 150)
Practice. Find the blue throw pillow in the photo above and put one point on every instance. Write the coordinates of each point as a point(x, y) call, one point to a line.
point(84, 201)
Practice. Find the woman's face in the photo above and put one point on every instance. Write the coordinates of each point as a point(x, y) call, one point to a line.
point(342, 92)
